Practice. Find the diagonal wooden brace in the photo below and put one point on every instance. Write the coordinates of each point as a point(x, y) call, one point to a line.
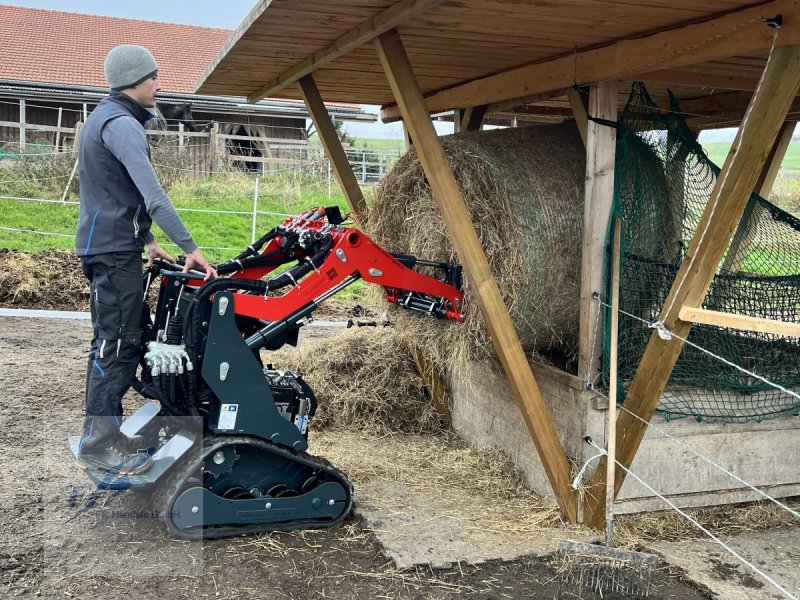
point(451, 204)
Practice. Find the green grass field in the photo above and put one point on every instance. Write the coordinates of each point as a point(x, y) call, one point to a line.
point(280, 195)
point(717, 151)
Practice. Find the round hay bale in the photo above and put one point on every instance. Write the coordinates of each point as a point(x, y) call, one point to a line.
point(524, 189)
point(364, 379)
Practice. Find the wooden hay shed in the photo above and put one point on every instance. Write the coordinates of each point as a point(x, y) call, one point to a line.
point(532, 61)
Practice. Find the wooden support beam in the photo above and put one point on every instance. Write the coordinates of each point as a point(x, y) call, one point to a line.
point(739, 33)
point(778, 86)
point(433, 379)
point(450, 202)
point(744, 322)
point(600, 159)
point(333, 148)
point(407, 137)
point(365, 32)
point(775, 160)
point(707, 81)
point(472, 118)
point(580, 106)
point(717, 103)
point(746, 230)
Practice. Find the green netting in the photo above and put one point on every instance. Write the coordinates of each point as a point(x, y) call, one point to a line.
point(663, 182)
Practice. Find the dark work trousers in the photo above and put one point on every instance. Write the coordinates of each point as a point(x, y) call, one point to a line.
point(116, 303)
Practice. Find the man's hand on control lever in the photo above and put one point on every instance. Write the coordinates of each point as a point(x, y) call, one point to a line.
point(196, 259)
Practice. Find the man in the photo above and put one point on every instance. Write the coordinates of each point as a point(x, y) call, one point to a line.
point(120, 197)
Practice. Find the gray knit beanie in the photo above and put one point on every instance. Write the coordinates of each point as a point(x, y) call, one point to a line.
point(129, 65)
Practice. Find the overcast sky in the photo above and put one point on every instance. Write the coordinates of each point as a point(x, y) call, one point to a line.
point(226, 14)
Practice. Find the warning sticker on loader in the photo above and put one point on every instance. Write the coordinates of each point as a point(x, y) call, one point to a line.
point(227, 416)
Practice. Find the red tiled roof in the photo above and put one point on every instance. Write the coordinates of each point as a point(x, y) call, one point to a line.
point(51, 46)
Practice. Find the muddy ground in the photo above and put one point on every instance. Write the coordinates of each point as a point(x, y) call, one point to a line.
point(54, 543)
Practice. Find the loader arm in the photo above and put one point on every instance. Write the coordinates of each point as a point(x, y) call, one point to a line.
point(336, 257)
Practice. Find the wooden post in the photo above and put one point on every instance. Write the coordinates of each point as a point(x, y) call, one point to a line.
point(600, 154)
point(611, 433)
point(453, 209)
point(777, 154)
point(433, 379)
point(57, 141)
point(471, 118)
point(581, 111)
point(407, 137)
point(767, 111)
point(216, 160)
point(22, 126)
point(76, 147)
point(333, 148)
point(180, 137)
point(746, 229)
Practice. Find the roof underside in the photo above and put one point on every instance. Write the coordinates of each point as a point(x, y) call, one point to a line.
point(458, 41)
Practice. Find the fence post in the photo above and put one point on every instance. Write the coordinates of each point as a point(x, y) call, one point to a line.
point(364, 167)
point(22, 125)
point(255, 212)
point(180, 138)
point(214, 143)
point(328, 160)
point(58, 131)
point(75, 146)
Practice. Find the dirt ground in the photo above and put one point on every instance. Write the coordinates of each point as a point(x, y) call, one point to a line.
point(57, 540)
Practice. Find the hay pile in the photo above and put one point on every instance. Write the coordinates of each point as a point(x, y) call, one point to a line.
point(524, 189)
point(364, 379)
point(46, 280)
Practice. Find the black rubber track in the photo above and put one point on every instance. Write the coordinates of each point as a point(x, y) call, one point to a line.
point(176, 482)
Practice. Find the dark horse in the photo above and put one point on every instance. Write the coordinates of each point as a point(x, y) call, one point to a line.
point(166, 112)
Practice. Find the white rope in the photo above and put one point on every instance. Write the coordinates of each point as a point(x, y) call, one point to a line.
point(196, 210)
point(37, 232)
point(711, 462)
point(694, 522)
point(577, 481)
point(701, 456)
point(50, 152)
point(667, 334)
point(720, 187)
point(301, 165)
point(31, 179)
point(44, 200)
point(689, 448)
point(67, 235)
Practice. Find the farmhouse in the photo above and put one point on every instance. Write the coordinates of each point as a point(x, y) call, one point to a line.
point(638, 80)
point(51, 77)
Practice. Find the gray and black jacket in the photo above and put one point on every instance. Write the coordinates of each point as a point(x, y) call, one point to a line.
point(120, 193)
